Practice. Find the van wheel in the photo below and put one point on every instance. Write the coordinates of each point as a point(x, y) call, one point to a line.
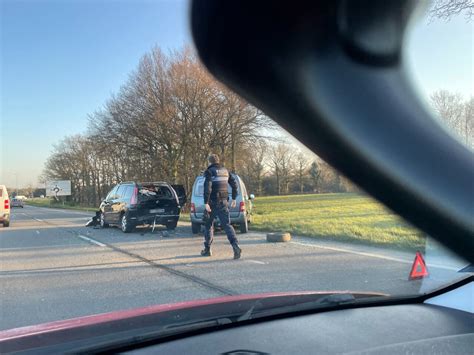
point(244, 227)
point(196, 227)
point(6, 223)
point(102, 222)
point(171, 225)
point(125, 225)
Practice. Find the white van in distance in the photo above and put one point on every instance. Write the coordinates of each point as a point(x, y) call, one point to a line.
point(4, 206)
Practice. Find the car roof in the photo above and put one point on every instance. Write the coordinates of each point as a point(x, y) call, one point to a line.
point(144, 183)
point(153, 183)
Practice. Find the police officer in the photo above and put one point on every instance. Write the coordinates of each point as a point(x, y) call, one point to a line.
point(216, 203)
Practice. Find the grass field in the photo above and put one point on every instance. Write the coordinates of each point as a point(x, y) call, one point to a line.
point(344, 217)
point(47, 202)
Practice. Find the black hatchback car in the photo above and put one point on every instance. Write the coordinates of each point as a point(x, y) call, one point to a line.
point(135, 203)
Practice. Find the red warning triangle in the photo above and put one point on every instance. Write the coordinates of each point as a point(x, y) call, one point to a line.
point(418, 269)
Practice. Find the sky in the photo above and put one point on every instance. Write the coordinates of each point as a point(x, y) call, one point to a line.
point(61, 60)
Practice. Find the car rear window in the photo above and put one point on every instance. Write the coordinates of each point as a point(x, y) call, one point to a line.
point(146, 192)
point(199, 188)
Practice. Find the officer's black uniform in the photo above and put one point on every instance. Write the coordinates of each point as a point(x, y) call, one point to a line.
point(217, 179)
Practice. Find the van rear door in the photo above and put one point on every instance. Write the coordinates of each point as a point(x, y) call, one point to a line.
point(4, 200)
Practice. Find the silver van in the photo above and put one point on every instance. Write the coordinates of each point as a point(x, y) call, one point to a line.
point(240, 215)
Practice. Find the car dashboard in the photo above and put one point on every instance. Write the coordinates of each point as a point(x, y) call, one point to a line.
point(412, 328)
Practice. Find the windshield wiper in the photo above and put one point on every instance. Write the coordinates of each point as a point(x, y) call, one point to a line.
point(336, 299)
point(186, 327)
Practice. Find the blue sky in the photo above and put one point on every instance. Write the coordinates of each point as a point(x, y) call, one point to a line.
point(440, 55)
point(61, 60)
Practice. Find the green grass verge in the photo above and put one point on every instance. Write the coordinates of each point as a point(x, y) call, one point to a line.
point(50, 203)
point(343, 217)
point(185, 217)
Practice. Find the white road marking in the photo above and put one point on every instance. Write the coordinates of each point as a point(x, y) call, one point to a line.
point(372, 255)
point(45, 209)
point(72, 211)
point(45, 226)
point(93, 241)
point(355, 252)
point(256, 262)
point(37, 232)
point(39, 220)
point(49, 247)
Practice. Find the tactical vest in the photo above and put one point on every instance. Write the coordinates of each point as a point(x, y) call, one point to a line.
point(220, 183)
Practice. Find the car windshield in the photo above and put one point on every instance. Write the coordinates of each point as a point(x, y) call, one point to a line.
point(100, 94)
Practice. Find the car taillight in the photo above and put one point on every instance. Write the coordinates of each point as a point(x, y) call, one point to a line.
point(133, 200)
point(193, 208)
point(7, 204)
point(242, 207)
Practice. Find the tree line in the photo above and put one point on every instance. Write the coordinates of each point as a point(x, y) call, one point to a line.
point(161, 125)
point(456, 114)
point(170, 114)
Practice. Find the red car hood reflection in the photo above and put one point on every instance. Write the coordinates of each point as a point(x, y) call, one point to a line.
point(27, 338)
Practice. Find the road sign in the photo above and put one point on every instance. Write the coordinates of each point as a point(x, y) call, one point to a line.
point(58, 188)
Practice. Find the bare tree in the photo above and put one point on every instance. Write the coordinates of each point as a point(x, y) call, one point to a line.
point(446, 9)
point(315, 174)
point(301, 170)
point(168, 116)
point(162, 123)
point(282, 166)
point(468, 122)
point(329, 179)
point(455, 113)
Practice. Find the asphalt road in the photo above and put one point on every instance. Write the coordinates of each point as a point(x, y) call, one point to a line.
point(54, 268)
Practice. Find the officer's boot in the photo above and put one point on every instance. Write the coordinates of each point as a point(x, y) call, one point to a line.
point(206, 251)
point(237, 251)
